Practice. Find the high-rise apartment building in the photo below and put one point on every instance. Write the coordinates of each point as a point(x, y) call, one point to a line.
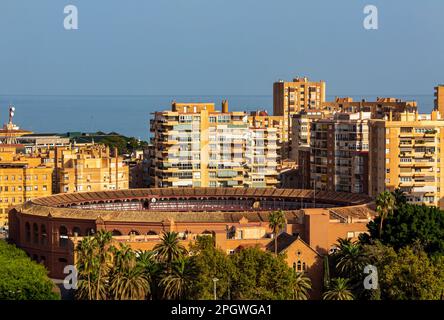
point(22, 178)
point(290, 98)
point(339, 153)
point(261, 157)
point(262, 119)
point(298, 95)
point(300, 132)
point(406, 152)
point(197, 146)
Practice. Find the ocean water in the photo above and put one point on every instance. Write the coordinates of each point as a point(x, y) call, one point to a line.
point(128, 115)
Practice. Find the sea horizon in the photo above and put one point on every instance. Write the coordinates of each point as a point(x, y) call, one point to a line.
point(130, 114)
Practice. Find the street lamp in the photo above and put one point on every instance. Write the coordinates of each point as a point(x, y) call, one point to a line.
point(214, 282)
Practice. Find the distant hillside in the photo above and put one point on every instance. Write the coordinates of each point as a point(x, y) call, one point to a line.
point(124, 144)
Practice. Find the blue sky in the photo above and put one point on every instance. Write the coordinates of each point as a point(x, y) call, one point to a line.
point(218, 47)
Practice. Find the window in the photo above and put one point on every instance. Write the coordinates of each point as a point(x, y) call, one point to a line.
point(63, 236)
point(76, 231)
point(117, 233)
point(27, 232)
point(43, 235)
point(35, 233)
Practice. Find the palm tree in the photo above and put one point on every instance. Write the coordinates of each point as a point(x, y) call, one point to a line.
point(169, 249)
point(301, 286)
point(350, 260)
point(276, 222)
point(127, 280)
point(385, 204)
point(146, 260)
point(86, 265)
point(102, 239)
point(177, 283)
point(123, 257)
point(129, 284)
point(338, 290)
point(400, 197)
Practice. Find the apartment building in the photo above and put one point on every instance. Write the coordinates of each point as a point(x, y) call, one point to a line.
point(378, 109)
point(439, 98)
point(22, 178)
point(300, 132)
point(298, 95)
point(262, 119)
point(292, 97)
point(86, 167)
point(405, 153)
point(339, 153)
point(197, 146)
point(261, 158)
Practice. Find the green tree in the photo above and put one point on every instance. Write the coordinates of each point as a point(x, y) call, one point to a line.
point(94, 261)
point(400, 197)
point(408, 274)
point(178, 283)
point(146, 260)
point(339, 290)
point(276, 222)
point(86, 267)
point(210, 263)
point(169, 249)
point(301, 286)
point(385, 204)
point(102, 240)
point(21, 278)
point(409, 224)
point(127, 280)
point(349, 262)
point(261, 275)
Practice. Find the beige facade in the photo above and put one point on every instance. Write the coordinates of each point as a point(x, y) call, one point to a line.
point(406, 153)
point(290, 98)
point(88, 167)
point(21, 179)
point(264, 120)
point(197, 146)
point(339, 153)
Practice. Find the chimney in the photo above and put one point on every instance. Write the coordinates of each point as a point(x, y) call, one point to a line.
point(224, 106)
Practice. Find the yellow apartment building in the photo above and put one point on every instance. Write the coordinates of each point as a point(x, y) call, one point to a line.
point(261, 119)
point(88, 167)
point(406, 152)
point(198, 146)
point(339, 153)
point(292, 97)
point(22, 178)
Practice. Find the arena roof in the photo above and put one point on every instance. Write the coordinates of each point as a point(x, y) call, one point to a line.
point(345, 205)
point(337, 198)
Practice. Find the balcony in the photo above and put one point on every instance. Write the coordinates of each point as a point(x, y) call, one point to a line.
point(424, 189)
